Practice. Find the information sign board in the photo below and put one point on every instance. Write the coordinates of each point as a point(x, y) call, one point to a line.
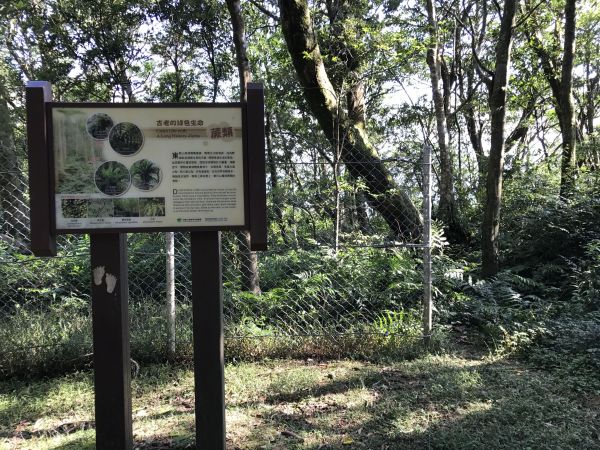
point(110, 169)
point(148, 166)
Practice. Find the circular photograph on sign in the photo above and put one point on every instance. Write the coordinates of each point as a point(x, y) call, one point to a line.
point(145, 175)
point(98, 126)
point(112, 178)
point(126, 138)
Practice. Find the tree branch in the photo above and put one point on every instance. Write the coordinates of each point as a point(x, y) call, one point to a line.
point(264, 10)
point(529, 13)
point(498, 8)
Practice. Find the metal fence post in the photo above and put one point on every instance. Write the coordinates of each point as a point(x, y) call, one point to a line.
point(171, 325)
point(427, 303)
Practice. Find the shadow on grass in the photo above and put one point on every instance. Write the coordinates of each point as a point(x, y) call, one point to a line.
point(27, 400)
point(170, 443)
point(496, 405)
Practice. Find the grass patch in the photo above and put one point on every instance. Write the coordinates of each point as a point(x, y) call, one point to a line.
point(446, 401)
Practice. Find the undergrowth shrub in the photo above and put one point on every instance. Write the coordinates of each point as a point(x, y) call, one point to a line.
point(504, 310)
point(34, 341)
point(544, 304)
point(60, 338)
point(25, 279)
point(586, 277)
point(309, 290)
point(543, 236)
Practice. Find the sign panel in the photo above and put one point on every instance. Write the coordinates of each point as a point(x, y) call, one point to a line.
point(141, 167)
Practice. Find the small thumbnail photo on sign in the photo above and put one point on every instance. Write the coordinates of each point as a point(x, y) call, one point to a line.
point(127, 207)
point(74, 208)
point(95, 208)
point(100, 207)
point(152, 207)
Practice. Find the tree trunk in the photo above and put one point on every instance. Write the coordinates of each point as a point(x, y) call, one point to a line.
point(361, 212)
point(357, 153)
point(475, 137)
point(591, 87)
point(562, 94)
point(239, 41)
point(278, 205)
point(249, 259)
point(447, 209)
point(497, 102)
point(568, 163)
point(466, 86)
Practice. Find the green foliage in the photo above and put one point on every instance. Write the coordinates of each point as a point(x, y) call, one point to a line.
point(25, 280)
point(58, 339)
point(570, 345)
point(35, 341)
point(586, 277)
point(545, 308)
point(147, 261)
point(501, 307)
point(398, 322)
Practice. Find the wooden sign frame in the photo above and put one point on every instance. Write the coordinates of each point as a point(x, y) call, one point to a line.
point(41, 164)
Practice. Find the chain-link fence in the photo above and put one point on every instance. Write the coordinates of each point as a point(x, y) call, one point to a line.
point(340, 263)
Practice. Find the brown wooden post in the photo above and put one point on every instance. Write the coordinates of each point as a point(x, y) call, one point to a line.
point(255, 135)
point(207, 310)
point(110, 324)
point(41, 195)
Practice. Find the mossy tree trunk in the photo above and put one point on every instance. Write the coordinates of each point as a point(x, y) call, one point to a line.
point(559, 75)
point(343, 129)
point(249, 259)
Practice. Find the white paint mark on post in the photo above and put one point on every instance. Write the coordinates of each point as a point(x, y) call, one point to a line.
point(111, 282)
point(98, 275)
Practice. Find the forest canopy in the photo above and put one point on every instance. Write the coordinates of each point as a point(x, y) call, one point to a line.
point(498, 89)
point(505, 93)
